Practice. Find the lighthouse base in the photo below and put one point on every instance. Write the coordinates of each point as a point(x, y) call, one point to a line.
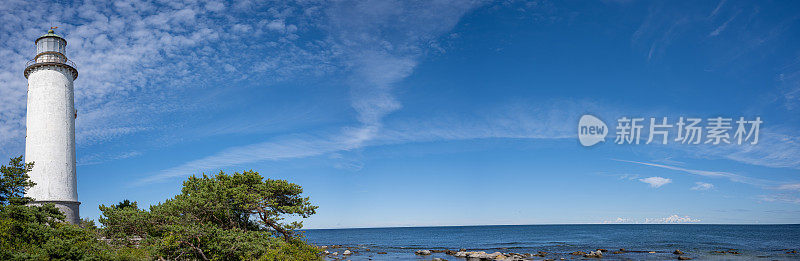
point(69, 208)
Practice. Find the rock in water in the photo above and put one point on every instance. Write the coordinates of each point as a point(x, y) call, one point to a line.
point(594, 254)
point(678, 252)
point(346, 252)
point(683, 258)
point(423, 252)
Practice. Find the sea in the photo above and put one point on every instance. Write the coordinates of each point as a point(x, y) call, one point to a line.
point(639, 241)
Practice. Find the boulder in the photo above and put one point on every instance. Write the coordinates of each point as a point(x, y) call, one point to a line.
point(423, 252)
point(476, 254)
point(594, 254)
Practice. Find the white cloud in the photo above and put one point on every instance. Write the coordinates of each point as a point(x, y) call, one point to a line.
point(702, 186)
point(276, 25)
point(656, 182)
point(671, 220)
point(137, 60)
point(619, 220)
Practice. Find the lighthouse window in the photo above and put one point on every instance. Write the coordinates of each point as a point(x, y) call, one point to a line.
point(50, 44)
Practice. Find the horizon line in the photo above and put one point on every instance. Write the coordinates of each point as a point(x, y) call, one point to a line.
point(563, 224)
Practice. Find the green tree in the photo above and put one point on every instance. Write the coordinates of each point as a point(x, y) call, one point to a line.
point(223, 217)
point(14, 180)
point(38, 232)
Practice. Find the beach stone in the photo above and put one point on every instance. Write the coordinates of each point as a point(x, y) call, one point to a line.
point(683, 258)
point(602, 250)
point(423, 252)
point(347, 252)
point(450, 252)
point(497, 256)
point(678, 252)
point(335, 253)
point(618, 252)
point(594, 254)
point(474, 254)
point(439, 259)
point(578, 253)
point(480, 255)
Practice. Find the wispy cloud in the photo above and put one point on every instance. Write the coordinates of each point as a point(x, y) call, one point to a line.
point(717, 8)
point(656, 182)
point(289, 147)
point(520, 122)
point(378, 44)
point(792, 186)
point(705, 173)
point(702, 186)
point(98, 158)
point(722, 26)
point(782, 197)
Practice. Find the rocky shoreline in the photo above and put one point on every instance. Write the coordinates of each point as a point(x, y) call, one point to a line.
point(339, 252)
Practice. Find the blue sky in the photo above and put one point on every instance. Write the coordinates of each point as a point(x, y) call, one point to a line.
point(416, 113)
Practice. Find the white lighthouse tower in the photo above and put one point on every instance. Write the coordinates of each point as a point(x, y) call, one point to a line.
point(50, 139)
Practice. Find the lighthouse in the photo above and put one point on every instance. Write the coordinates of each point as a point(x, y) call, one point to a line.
point(50, 134)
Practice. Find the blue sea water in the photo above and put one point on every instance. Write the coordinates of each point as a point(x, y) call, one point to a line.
point(762, 242)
